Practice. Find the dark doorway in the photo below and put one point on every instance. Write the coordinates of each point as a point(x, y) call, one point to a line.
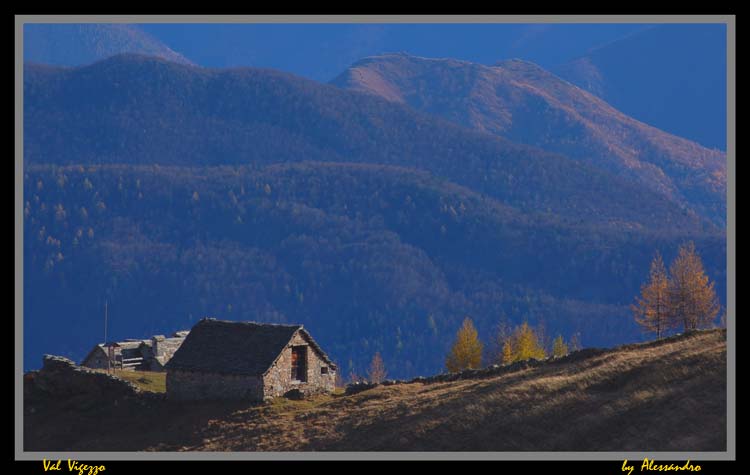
point(299, 363)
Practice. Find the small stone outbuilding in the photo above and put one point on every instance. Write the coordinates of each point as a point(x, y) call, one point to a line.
point(247, 360)
point(148, 354)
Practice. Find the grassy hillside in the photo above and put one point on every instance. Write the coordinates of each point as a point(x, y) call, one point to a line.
point(658, 396)
point(150, 381)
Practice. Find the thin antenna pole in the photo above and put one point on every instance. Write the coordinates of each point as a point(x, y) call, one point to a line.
point(109, 363)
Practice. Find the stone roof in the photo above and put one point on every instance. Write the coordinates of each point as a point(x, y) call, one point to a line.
point(99, 347)
point(129, 345)
point(134, 343)
point(247, 348)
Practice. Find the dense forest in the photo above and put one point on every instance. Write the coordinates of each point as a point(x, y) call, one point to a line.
point(174, 192)
point(368, 257)
point(139, 110)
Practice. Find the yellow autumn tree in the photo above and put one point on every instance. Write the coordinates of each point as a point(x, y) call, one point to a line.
point(522, 344)
point(692, 299)
point(559, 347)
point(466, 352)
point(652, 309)
point(507, 351)
point(526, 344)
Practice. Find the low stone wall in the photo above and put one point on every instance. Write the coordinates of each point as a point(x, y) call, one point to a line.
point(496, 370)
point(195, 386)
point(62, 377)
point(358, 387)
point(490, 371)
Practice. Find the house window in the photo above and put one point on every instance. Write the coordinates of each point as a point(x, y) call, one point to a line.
point(299, 363)
point(324, 370)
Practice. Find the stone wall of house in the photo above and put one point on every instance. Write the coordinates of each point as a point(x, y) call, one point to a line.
point(192, 386)
point(166, 348)
point(161, 350)
point(278, 380)
point(98, 360)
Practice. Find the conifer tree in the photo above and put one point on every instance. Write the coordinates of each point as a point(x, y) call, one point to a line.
point(652, 309)
point(559, 347)
point(502, 335)
point(575, 342)
point(692, 298)
point(377, 372)
point(522, 344)
point(526, 344)
point(507, 352)
point(467, 350)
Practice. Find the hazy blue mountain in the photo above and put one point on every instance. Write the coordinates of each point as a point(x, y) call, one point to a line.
point(177, 192)
point(670, 76)
point(142, 110)
point(322, 51)
point(527, 104)
point(75, 44)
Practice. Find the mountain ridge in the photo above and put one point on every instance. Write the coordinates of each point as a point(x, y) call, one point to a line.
point(662, 75)
point(78, 44)
point(266, 116)
point(527, 104)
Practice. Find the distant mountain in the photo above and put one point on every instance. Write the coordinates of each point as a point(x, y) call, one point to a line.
point(140, 110)
point(177, 192)
point(524, 103)
point(75, 44)
point(321, 51)
point(670, 76)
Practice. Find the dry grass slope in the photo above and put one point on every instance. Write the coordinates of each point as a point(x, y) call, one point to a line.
point(151, 381)
point(668, 395)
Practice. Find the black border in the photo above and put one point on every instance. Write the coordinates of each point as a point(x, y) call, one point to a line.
point(240, 466)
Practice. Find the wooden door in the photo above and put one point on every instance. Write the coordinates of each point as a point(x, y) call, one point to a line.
point(299, 363)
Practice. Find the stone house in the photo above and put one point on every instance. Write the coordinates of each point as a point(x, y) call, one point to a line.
point(247, 360)
point(97, 358)
point(149, 354)
point(160, 349)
